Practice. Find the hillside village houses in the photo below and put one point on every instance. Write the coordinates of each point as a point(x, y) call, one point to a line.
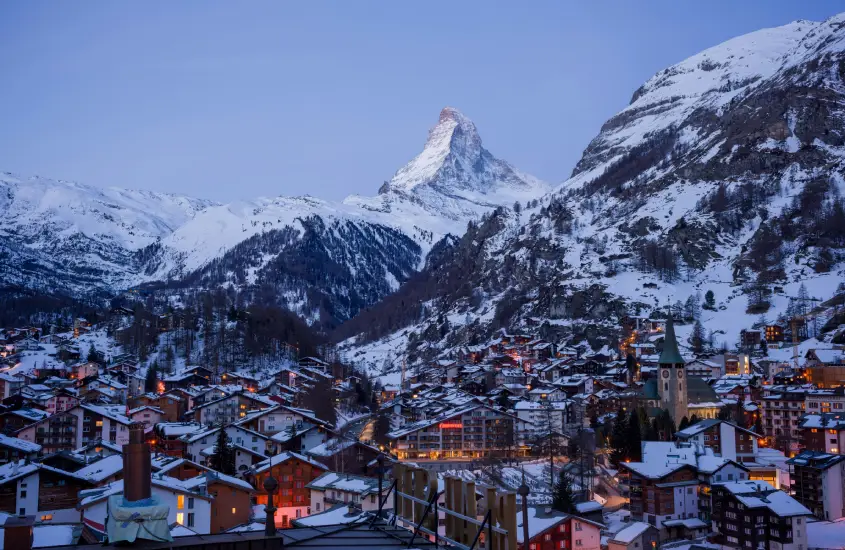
point(65, 418)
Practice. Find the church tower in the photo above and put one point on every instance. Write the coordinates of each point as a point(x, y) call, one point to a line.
point(672, 382)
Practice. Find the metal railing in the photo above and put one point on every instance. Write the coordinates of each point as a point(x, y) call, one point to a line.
point(432, 504)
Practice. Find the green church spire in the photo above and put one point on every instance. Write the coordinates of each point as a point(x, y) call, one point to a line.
point(670, 354)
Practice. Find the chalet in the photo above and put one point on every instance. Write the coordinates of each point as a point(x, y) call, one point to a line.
point(348, 456)
point(753, 514)
point(332, 488)
point(247, 381)
point(13, 449)
point(726, 439)
point(229, 409)
point(663, 493)
point(278, 418)
point(188, 505)
point(314, 363)
point(80, 326)
point(10, 384)
point(774, 333)
point(146, 415)
point(39, 490)
point(293, 472)
point(167, 436)
point(60, 400)
point(231, 504)
point(193, 376)
point(750, 339)
point(172, 406)
point(175, 467)
point(637, 535)
point(552, 530)
point(818, 479)
point(299, 439)
point(80, 371)
point(14, 420)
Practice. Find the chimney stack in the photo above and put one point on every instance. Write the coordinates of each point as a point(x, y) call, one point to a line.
point(136, 465)
point(17, 532)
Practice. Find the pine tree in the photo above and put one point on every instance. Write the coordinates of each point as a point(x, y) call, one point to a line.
point(562, 498)
point(92, 354)
point(758, 425)
point(634, 438)
point(223, 459)
point(684, 424)
point(694, 420)
point(697, 337)
point(151, 381)
point(618, 438)
point(725, 413)
point(381, 429)
point(739, 414)
point(709, 300)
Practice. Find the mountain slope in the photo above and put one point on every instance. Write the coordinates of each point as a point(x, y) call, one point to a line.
point(725, 173)
point(77, 239)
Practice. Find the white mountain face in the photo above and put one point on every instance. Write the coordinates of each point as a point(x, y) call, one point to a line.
point(724, 173)
point(125, 238)
point(454, 177)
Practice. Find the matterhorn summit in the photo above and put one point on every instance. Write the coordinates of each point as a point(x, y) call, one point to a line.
point(455, 176)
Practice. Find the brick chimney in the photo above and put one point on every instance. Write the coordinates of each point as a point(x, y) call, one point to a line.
point(17, 532)
point(136, 465)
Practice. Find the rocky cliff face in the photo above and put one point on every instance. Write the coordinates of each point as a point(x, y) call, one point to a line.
point(724, 173)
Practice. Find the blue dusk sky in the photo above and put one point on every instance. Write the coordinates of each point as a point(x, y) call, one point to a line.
point(233, 100)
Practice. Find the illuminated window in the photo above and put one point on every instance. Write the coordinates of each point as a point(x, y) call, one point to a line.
point(180, 502)
point(834, 450)
point(234, 510)
point(99, 423)
point(47, 517)
point(180, 518)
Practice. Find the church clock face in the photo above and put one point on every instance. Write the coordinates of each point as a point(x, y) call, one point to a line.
point(665, 373)
point(680, 374)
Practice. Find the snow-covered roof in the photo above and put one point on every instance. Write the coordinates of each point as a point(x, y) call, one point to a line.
point(826, 534)
point(107, 412)
point(759, 494)
point(628, 534)
point(331, 447)
point(19, 444)
point(213, 476)
point(344, 482)
point(336, 515)
point(284, 457)
point(101, 469)
point(177, 429)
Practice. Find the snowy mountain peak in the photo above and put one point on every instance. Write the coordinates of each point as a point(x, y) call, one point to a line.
point(456, 175)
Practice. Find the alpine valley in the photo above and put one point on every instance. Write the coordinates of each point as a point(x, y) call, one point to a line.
point(723, 174)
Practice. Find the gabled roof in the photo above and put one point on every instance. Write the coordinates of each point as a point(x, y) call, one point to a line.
point(344, 482)
point(284, 457)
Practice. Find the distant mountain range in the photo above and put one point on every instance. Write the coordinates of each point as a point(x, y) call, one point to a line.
point(322, 259)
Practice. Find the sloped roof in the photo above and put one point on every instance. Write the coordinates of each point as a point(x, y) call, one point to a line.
point(670, 354)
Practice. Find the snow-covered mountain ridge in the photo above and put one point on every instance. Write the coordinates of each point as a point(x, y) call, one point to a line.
point(83, 240)
point(724, 173)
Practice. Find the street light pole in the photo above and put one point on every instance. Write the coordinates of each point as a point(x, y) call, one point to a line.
point(270, 485)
